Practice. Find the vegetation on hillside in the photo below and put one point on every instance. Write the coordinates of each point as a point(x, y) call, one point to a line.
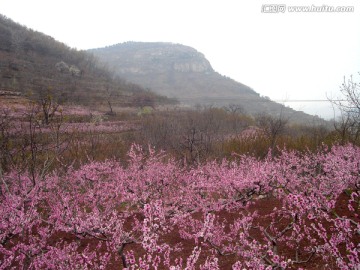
point(36, 65)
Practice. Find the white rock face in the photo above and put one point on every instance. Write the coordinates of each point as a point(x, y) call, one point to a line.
point(65, 68)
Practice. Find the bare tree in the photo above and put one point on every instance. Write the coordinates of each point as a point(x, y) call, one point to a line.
point(109, 96)
point(5, 140)
point(351, 92)
point(348, 124)
point(234, 109)
point(272, 126)
point(347, 128)
point(48, 105)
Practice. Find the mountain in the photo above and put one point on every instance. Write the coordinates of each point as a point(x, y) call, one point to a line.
point(33, 64)
point(181, 72)
point(170, 69)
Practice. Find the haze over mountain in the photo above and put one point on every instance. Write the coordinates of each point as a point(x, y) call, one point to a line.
point(179, 71)
point(34, 64)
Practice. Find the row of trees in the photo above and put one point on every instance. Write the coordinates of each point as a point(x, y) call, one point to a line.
point(194, 136)
point(207, 133)
point(212, 132)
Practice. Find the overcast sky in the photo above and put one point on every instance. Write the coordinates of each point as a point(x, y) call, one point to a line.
point(285, 55)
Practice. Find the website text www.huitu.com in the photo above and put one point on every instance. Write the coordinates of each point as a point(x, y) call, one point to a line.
point(282, 8)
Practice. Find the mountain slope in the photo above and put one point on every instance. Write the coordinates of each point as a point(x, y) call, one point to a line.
point(181, 72)
point(164, 66)
point(33, 64)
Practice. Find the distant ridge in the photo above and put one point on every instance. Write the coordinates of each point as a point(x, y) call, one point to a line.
point(179, 71)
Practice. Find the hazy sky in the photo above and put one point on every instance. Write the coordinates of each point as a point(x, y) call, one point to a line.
point(285, 55)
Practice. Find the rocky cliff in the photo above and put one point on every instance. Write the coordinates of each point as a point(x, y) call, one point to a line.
point(147, 58)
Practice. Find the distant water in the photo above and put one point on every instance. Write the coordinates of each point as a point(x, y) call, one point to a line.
point(322, 108)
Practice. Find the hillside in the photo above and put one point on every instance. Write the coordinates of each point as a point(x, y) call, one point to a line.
point(33, 64)
point(179, 71)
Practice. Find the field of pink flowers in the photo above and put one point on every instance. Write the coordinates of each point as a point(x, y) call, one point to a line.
point(21, 116)
point(290, 211)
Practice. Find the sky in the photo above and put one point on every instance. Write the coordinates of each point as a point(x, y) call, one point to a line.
point(286, 56)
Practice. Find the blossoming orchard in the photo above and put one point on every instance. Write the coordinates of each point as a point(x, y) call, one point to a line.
point(100, 173)
point(289, 211)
